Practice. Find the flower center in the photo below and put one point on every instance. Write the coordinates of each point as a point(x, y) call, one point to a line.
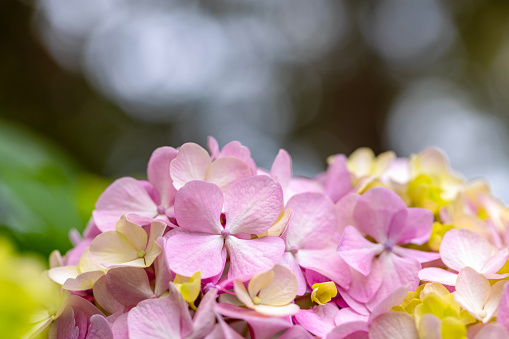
point(225, 233)
point(389, 245)
point(141, 253)
point(161, 209)
point(483, 314)
point(256, 300)
point(294, 249)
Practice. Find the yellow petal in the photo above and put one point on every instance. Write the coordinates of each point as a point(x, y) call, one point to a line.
point(189, 287)
point(323, 292)
point(279, 226)
point(281, 290)
point(135, 234)
point(241, 293)
point(112, 248)
point(259, 281)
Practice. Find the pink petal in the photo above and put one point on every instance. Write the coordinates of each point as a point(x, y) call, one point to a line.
point(223, 331)
point(394, 298)
point(263, 327)
point(289, 261)
point(318, 320)
point(253, 205)
point(191, 163)
point(439, 275)
point(158, 172)
point(213, 147)
point(393, 325)
point(248, 257)
point(119, 327)
point(205, 316)
point(123, 196)
point(99, 328)
point(157, 318)
point(296, 332)
point(104, 298)
point(359, 307)
point(348, 322)
point(456, 250)
point(357, 251)
point(503, 308)
point(363, 288)
point(189, 253)
point(414, 226)
point(237, 150)
point(128, 285)
point(224, 172)
point(313, 221)
point(281, 169)
point(421, 256)
point(375, 210)
point(338, 181)
point(163, 274)
point(344, 210)
point(348, 315)
point(198, 207)
point(472, 291)
point(327, 262)
point(495, 263)
point(492, 331)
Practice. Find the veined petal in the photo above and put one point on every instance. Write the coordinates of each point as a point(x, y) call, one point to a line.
point(313, 222)
point(414, 226)
point(252, 205)
point(393, 325)
point(363, 288)
point(237, 150)
point(281, 290)
point(99, 328)
point(357, 251)
point(375, 210)
point(281, 169)
point(435, 274)
point(495, 263)
point(198, 207)
point(158, 173)
point(338, 180)
point(191, 163)
point(128, 285)
point(472, 291)
point(205, 317)
point(326, 262)
point(188, 253)
point(456, 249)
point(224, 172)
point(318, 320)
point(421, 256)
point(493, 303)
point(248, 257)
point(344, 211)
point(123, 196)
point(289, 261)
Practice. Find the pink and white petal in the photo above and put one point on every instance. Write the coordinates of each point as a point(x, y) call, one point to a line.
point(119, 327)
point(348, 322)
point(162, 272)
point(133, 233)
point(213, 147)
point(313, 221)
point(252, 205)
point(224, 172)
point(357, 251)
point(393, 325)
point(248, 257)
point(472, 291)
point(414, 226)
point(289, 261)
point(264, 327)
point(338, 180)
point(237, 150)
point(296, 332)
point(375, 210)
point(281, 290)
point(205, 317)
point(495, 263)
point(318, 320)
point(123, 196)
point(223, 331)
point(259, 281)
point(156, 318)
point(242, 294)
point(277, 311)
point(353, 330)
point(348, 315)
point(492, 331)
point(61, 274)
point(344, 210)
point(439, 275)
point(198, 207)
point(430, 327)
point(129, 285)
point(281, 169)
point(191, 163)
point(158, 173)
point(84, 281)
point(327, 262)
point(112, 248)
point(363, 288)
point(359, 307)
point(421, 256)
point(456, 249)
point(99, 328)
point(188, 253)
point(503, 308)
point(394, 298)
point(492, 305)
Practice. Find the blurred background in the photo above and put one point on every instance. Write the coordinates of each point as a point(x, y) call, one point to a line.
point(88, 88)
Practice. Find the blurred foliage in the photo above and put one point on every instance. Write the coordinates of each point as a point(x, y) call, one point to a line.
point(43, 193)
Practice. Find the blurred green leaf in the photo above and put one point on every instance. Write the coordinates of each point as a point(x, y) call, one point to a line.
point(43, 193)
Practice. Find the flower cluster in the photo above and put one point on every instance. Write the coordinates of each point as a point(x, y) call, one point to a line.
point(211, 246)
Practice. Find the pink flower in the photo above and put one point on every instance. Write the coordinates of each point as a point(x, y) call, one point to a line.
point(251, 206)
point(309, 240)
point(142, 201)
point(461, 248)
point(381, 214)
